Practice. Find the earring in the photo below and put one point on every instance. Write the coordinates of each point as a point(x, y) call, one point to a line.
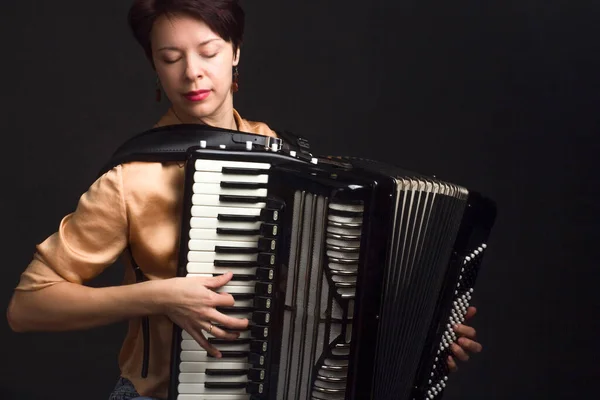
point(235, 86)
point(158, 91)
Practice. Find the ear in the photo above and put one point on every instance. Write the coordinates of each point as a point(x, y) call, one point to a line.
point(236, 57)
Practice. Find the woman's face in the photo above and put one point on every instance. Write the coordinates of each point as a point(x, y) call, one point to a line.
point(194, 65)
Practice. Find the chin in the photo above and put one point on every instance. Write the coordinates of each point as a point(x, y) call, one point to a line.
point(200, 110)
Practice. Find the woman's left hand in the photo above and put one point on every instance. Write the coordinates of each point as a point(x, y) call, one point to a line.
point(465, 343)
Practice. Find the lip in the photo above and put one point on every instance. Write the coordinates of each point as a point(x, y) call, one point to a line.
point(197, 95)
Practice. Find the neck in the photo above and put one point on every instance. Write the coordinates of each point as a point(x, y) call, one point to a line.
point(222, 118)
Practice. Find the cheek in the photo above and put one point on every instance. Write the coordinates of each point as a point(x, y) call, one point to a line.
point(220, 76)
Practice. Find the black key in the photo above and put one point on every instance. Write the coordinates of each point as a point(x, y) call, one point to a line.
point(235, 309)
point(225, 385)
point(238, 218)
point(228, 198)
point(226, 372)
point(261, 317)
point(269, 215)
point(266, 259)
point(229, 342)
point(269, 230)
point(235, 250)
point(242, 296)
point(232, 354)
point(265, 230)
point(240, 277)
point(244, 171)
point(265, 274)
point(255, 388)
point(235, 264)
point(267, 244)
point(259, 346)
point(257, 360)
point(226, 329)
point(262, 303)
point(256, 374)
point(243, 185)
point(263, 288)
point(275, 204)
point(259, 332)
point(238, 232)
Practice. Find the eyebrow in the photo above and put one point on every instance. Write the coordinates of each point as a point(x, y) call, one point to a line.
point(200, 44)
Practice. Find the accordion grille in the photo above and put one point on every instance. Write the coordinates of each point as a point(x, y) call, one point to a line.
point(320, 288)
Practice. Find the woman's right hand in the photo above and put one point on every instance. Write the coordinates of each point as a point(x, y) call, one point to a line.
point(191, 304)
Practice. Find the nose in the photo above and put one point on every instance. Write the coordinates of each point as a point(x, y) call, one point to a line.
point(194, 69)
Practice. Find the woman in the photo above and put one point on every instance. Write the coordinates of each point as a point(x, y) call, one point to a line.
point(194, 47)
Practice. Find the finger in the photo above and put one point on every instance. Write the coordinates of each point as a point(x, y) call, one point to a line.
point(470, 345)
point(464, 330)
point(216, 282)
point(459, 352)
point(222, 300)
point(218, 332)
point(452, 364)
point(203, 342)
point(471, 311)
point(226, 320)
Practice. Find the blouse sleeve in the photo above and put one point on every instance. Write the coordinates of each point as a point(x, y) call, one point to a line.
point(87, 241)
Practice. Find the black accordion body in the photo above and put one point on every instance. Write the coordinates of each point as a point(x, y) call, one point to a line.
point(350, 271)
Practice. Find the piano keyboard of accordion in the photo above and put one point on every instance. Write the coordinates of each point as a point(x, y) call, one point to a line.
point(348, 273)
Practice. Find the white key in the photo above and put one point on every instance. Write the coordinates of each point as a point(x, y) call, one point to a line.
point(243, 335)
point(217, 165)
point(211, 234)
point(214, 223)
point(215, 188)
point(235, 288)
point(200, 389)
point(202, 378)
point(210, 257)
point(189, 366)
point(202, 356)
point(208, 268)
point(192, 345)
point(218, 177)
point(250, 284)
point(244, 303)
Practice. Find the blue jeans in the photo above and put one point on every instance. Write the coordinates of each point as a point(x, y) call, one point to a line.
point(124, 390)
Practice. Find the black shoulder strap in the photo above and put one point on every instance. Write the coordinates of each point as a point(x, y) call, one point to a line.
point(171, 143)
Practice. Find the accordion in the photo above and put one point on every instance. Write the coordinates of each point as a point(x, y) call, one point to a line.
point(351, 272)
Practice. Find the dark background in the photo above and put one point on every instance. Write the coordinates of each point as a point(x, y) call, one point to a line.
point(498, 96)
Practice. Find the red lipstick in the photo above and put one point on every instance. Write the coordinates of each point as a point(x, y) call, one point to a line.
point(197, 95)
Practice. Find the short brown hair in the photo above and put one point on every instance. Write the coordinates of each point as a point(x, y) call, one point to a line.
point(224, 17)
